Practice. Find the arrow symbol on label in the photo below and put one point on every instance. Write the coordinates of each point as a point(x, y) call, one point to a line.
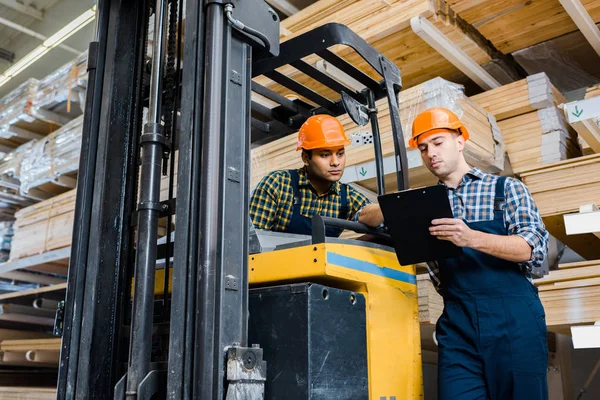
point(363, 171)
point(577, 112)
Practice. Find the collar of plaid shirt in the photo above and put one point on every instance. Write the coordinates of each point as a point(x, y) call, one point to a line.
point(303, 181)
point(473, 174)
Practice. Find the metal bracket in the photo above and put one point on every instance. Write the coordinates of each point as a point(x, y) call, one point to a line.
point(120, 388)
point(59, 319)
point(233, 174)
point(231, 283)
point(236, 77)
point(153, 383)
point(246, 373)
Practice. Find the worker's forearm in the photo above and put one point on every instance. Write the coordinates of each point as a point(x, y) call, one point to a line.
point(371, 215)
point(511, 248)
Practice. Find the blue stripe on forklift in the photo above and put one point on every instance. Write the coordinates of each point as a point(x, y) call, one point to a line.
point(370, 268)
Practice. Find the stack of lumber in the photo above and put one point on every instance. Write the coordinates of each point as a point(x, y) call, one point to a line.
point(431, 304)
point(27, 393)
point(19, 313)
point(386, 26)
point(525, 96)
point(63, 90)
point(6, 235)
point(585, 147)
point(484, 149)
point(514, 25)
point(30, 352)
point(571, 294)
point(538, 138)
point(561, 188)
point(10, 172)
point(52, 157)
point(20, 120)
point(43, 226)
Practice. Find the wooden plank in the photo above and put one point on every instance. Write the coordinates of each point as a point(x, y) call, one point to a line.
point(27, 393)
point(33, 292)
point(52, 344)
point(516, 24)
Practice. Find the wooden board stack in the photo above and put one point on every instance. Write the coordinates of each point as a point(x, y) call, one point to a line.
point(589, 93)
point(63, 91)
point(49, 163)
point(534, 93)
point(484, 149)
point(386, 26)
point(431, 304)
point(514, 25)
point(561, 188)
point(20, 121)
point(43, 226)
point(27, 393)
point(571, 295)
point(538, 138)
point(30, 352)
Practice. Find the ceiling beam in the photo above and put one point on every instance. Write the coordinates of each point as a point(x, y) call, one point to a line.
point(584, 22)
point(27, 31)
point(284, 6)
point(453, 53)
point(28, 10)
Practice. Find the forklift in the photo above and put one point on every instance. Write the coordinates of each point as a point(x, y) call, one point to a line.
point(182, 298)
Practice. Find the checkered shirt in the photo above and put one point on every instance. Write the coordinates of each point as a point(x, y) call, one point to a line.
point(272, 202)
point(473, 200)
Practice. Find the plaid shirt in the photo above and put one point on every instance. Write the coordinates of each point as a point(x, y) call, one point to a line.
point(473, 200)
point(272, 202)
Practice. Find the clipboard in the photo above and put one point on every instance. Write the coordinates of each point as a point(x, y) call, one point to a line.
point(408, 215)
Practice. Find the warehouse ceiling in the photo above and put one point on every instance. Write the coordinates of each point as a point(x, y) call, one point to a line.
point(44, 17)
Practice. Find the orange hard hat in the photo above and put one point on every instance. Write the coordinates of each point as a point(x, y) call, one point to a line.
point(436, 120)
point(321, 132)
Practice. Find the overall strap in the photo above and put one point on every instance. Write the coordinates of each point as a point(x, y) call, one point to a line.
point(500, 198)
point(344, 208)
point(295, 178)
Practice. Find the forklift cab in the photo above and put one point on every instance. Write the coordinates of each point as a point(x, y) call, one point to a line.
point(218, 304)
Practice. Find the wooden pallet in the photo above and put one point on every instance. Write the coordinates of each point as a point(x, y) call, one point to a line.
point(44, 226)
point(515, 24)
point(484, 149)
point(571, 294)
point(561, 188)
point(525, 96)
point(538, 138)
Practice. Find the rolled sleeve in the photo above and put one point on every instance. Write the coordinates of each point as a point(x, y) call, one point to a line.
point(524, 220)
point(358, 201)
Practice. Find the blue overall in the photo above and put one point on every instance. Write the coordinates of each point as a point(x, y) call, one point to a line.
point(492, 334)
point(302, 225)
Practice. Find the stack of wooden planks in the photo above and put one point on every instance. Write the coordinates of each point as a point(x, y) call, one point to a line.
point(49, 163)
point(561, 188)
point(431, 304)
point(484, 149)
point(386, 26)
point(589, 93)
point(62, 91)
point(571, 295)
point(20, 120)
point(514, 25)
point(30, 352)
point(27, 393)
point(534, 93)
point(43, 226)
point(538, 138)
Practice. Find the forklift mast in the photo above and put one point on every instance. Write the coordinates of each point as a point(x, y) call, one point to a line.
point(198, 90)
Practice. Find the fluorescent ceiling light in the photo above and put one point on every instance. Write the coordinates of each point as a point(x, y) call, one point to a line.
point(50, 43)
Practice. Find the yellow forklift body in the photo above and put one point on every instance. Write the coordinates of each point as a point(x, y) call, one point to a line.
point(392, 311)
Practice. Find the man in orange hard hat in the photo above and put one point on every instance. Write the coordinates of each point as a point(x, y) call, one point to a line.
point(286, 200)
point(492, 333)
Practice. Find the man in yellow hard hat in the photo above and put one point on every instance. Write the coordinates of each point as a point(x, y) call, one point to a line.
point(492, 333)
point(286, 200)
